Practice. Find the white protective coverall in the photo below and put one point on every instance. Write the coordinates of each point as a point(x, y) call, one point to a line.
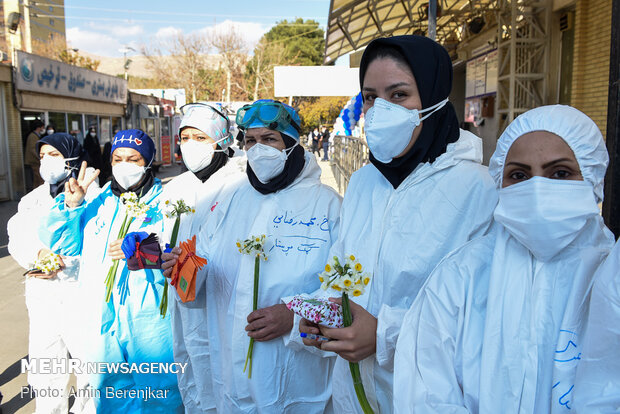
point(190, 339)
point(51, 303)
point(399, 236)
point(597, 383)
point(495, 330)
point(301, 222)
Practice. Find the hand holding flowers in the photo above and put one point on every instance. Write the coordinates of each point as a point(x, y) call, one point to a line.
point(134, 209)
point(175, 210)
point(357, 339)
point(48, 265)
point(254, 246)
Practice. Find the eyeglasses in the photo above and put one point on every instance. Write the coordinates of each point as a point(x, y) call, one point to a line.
point(271, 114)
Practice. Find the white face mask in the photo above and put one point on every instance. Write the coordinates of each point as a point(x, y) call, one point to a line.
point(54, 169)
point(267, 162)
point(197, 155)
point(127, 174)
point(389, 127)
point(546, 215)
point(92, 134)
point(50, 131)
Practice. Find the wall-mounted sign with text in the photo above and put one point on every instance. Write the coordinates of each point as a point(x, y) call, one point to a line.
point(39, 74)
point(481, 75)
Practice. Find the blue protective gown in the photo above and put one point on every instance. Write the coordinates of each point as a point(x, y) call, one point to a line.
point(128, 329)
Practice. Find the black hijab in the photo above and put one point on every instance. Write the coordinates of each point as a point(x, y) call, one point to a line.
point(219, 160)
point(432, 69)
point(293, 166)
point(69, 147)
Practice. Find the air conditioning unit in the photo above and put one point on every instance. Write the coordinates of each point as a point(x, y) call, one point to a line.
point(566, 21)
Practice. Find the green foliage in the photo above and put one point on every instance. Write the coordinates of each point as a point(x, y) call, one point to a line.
point(303, 41)
point(298, 42)
point(320, 111)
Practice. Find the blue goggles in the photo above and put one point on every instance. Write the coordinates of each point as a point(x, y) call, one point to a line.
point(272, 115)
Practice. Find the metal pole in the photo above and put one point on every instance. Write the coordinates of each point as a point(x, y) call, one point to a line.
point(432, 19)
point(611, 204)
point(27, 30)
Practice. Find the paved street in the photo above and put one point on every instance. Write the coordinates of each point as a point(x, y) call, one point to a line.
point(14, 316)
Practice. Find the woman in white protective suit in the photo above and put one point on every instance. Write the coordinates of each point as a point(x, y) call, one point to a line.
point(498, 326)
point(597, 384)
point(423, 195)
point(51, 298)
point(205, 145)
point(282, 198)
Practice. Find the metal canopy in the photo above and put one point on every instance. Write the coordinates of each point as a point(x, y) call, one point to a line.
point(353, 24)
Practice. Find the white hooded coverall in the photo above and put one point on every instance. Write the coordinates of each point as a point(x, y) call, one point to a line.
point(495, 330)
point(301, 223)
point(597, 383)
point(190, 339)
point(52, 304)
point(399, 235)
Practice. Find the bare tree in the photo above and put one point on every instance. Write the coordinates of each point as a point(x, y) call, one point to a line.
point(232, 48)
point(179, 62)
point(267, 55)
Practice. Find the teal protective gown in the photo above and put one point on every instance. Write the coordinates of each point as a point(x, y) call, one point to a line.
point(128, 329)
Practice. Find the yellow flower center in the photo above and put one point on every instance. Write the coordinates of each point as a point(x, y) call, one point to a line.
point(336, 287)
point(347, 282)
point(358, 267)
point(357, 292)
point(352, 257)
point(328, 268)
point(366, 280)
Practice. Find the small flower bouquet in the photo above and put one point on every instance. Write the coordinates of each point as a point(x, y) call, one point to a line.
point(49, 263)
point(349, 279)
point(254, 246)
point(175, 210)
point(134, 209)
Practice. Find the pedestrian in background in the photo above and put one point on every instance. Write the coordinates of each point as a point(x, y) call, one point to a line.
point(32, 162)
point(325, 142)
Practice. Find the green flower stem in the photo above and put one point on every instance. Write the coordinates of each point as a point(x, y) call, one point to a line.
point(111, 277)
point(163, 305)
point(354, 366)
point(248, 357)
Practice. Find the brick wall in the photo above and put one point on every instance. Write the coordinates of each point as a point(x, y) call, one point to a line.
point(591, 59)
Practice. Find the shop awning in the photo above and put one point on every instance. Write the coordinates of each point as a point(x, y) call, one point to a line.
point(353, 24)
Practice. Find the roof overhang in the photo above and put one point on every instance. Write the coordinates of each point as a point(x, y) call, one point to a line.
point(352, 24)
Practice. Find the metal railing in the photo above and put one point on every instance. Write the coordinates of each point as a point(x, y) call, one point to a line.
point(349, 155)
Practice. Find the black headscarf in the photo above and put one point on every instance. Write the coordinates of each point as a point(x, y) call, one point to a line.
point(293, 166)
point(432, 69)
point(219, 160)
point(69, 147)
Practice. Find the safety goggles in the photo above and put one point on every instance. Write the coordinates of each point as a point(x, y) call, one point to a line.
point(271, 114)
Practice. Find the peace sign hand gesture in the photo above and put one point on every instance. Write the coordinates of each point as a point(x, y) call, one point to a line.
point(75, 190)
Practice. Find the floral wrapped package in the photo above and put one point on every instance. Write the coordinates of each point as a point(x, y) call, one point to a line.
point(320, 311)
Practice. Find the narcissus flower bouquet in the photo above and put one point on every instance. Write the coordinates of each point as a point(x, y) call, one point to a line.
point(176, 210)
point(349, 278)
point(254, 246)
point(133, 209)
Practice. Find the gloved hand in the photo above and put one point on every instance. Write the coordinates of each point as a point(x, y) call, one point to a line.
point(130, 240)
